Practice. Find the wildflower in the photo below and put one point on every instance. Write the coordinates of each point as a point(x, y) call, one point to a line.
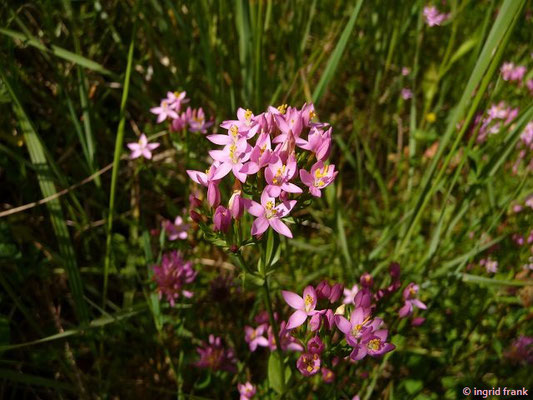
point(172, 275)
point(433, 16)
point(268, 214)
point(287, 341)
point(349, 294)
point(176, 99)
point(323, 290)
point(260, 156)
point(527, 136)
point(214, 356)
point(521, 350)
point(315, 345)
point(247, 390)
point(490, 265)
point(406, 71)
point(318, 142)
point(318, 178)
point(359, 323)
point(409, 294)
point(407, 93)
point(164, 111)
point(176, 230)
point(196, 120)
point(366, 280)
point(232, 158)
point(417, 321)
point(236, 204)
point(507, 70)
point(308, 364)
point(336, 291)
point(327, 375)
point(373, 343)
point(208, 179)
point(142, 148)
point(304, 306)
point(222, 219)
point(278, 176)
point(254, 337)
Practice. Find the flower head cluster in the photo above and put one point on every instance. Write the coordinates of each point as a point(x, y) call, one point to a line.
point(498, 116)
point(327, 314)
point(433, 16)
point(214, 356)
point(279, 153)
point(171, 108)
point(513, 73)
point(171, 275)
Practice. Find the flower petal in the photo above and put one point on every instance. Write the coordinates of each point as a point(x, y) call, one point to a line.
point(294, 300)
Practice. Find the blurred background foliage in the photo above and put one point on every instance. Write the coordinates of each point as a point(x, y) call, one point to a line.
point(413, 187)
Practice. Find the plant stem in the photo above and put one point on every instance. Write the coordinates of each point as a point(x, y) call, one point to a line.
point(268, 304)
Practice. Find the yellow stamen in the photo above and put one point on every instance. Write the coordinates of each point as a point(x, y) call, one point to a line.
point(248, 114)
point(283, 108)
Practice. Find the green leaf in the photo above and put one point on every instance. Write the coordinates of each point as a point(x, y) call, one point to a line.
point(335, 57)
point(412, 386)
point(274, 372)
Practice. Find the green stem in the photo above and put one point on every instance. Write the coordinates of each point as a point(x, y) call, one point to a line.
point(268, 304)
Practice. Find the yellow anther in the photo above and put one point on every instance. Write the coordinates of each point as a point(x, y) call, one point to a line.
point(283, 108)
point(234, 130)
point(248, 114)
point(374, 344)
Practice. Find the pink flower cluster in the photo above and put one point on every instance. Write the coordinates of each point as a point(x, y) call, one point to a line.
point(214, 356)
point(171, 275)
point(434, 17)
point(321, 307)
point(498, 116)
point(513, 73)
point(171, 108)
point(175, 230)
point(271, 151)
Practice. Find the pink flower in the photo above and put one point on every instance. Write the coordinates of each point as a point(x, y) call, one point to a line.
point(236, 204)
point(222, 219)
point(142, 148)
point(407, 93)
point(373, 343)
point(318, 141)
point(304, 306)
point(214, 356)
point(409, 296)
point(164, 111)
point(176, 99)
point(278, 176)
point(308, 364)
point(208, 179)
point(196, 120)
point(433, 16)
point(518, 73)
point(287, 341)
point(246, 123)
point(254, 337)
point(290, 124)
point(327, 375)
point(268, 214)
point(507, 70)
point(366, 280)
point(315, 345)
point(359, 324)
point(406, 71)
point(247, 390)
point(349, 294)
point(260, 156)
point(232, 158)
point(320, 176)
point(176, 230)
point(172, 275)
